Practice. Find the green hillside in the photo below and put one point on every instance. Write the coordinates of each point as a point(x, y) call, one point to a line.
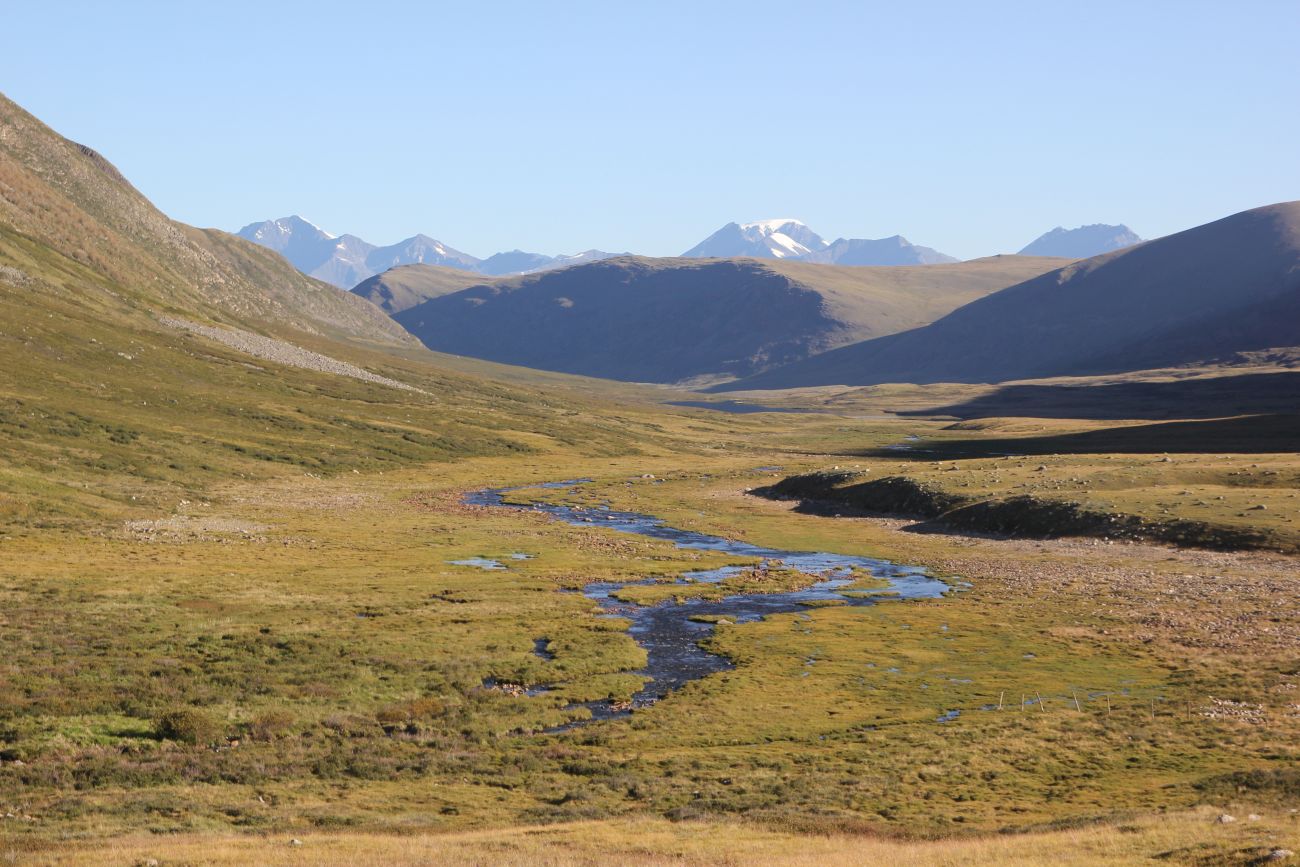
point(111, 405)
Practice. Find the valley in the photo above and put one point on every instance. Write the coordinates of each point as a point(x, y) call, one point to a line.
point(350, 685)
point(969, 562)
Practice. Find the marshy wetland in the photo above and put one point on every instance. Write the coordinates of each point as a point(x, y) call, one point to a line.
point(672, 627)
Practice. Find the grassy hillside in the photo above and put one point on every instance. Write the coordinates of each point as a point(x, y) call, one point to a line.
point(666, 320)
point(108, 408)
point(63, 197)
point(405, 286)
point(1205, 294)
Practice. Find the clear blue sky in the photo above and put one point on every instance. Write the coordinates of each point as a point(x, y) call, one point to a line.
point(967, 126)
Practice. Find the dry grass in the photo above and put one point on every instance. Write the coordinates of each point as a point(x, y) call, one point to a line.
point(1183, 838)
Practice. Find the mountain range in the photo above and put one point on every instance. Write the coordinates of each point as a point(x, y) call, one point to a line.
point(1199, 296)
point(669, 320)
point(346, 260)
point(81, 250)
point(792, 239)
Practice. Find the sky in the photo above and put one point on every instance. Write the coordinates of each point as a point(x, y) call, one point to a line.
point(645, 126)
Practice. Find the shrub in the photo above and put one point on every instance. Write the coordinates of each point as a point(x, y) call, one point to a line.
point(188, 726)
point(271, 724)
point(410, 711)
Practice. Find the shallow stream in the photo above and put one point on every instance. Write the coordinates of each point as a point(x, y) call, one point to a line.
point(671, 631)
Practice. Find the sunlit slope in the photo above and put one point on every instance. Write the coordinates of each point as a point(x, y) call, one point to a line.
point(110, 403)
point(667, 320)
point(63, 196)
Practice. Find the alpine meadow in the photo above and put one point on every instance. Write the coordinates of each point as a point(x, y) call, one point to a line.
point(747, 545)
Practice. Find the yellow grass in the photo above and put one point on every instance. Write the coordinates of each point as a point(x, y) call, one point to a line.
point(1189, 837)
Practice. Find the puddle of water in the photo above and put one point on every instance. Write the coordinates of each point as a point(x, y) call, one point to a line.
point(671, 631)
point(947, 716)
point(480, 563)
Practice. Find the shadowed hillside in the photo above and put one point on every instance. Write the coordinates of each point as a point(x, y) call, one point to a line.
point(666, 320)
point(1225, 287)
point(1251, 434)
point(1200, 397)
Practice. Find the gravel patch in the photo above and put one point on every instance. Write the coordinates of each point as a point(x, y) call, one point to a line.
point(280, 352)
point(186, 528)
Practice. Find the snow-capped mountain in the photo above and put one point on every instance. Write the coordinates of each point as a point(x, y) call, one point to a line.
point(346, 260)
point(1083, 242)
point(791, 239)
point(763, 239)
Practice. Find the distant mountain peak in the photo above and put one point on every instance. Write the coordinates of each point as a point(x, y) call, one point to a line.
point(781, 238)
point(894, 250)
point(788, 238)
point(346, 260)
point(1082, 242)
point(283, 227)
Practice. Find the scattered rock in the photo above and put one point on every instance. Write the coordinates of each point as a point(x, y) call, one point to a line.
point(1225, 819)
point(284, 353)
point(295, 842)
point(1279, 855)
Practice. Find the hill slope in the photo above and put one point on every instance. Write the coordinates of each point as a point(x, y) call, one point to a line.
point(144, 362)
point(65, 197)
point(667, 320)
point(1226, 287)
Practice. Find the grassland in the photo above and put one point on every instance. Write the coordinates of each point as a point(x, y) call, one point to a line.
point(227, 605)
point(1186, 837)
point(336, 661)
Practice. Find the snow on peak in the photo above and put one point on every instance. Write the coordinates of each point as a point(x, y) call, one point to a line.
point(767, 227)
point(288, 224)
